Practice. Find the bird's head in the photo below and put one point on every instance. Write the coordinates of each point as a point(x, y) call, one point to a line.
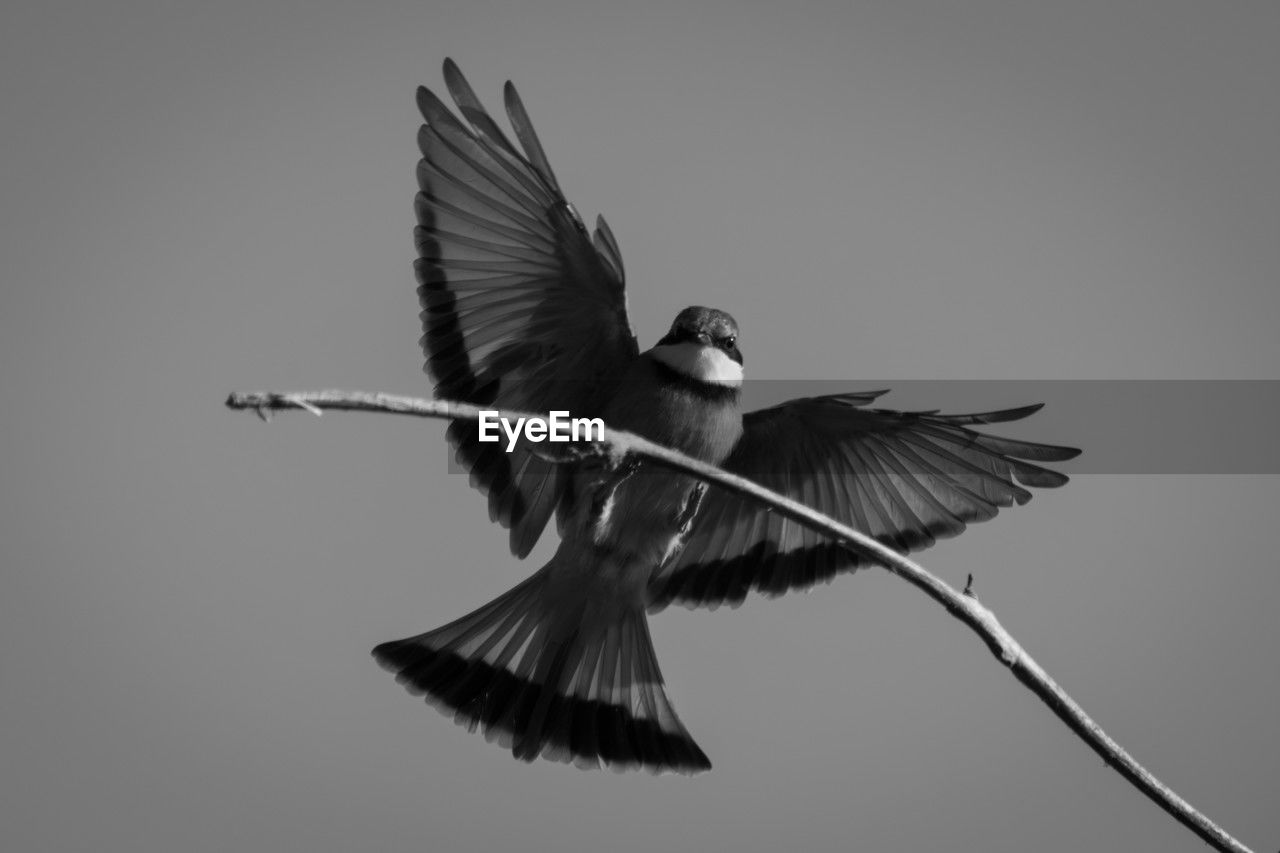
point(703, 345)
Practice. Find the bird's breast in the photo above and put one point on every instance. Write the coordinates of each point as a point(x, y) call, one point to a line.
point(640, 514)
point(697, 418)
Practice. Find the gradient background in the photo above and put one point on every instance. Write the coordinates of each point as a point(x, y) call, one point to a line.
point(200, 197)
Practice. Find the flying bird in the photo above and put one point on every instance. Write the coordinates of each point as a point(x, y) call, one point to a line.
point(523, 308)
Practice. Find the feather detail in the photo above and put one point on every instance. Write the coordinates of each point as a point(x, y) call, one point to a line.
point(905, 478)
point(520, 308)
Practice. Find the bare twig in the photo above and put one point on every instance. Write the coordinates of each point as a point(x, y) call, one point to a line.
point(964, 606)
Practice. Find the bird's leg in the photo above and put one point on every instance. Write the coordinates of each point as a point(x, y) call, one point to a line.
point(692, 503)
point(684, 520)
point(602, 499)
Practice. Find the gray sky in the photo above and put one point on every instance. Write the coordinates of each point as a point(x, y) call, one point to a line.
point(200, 197)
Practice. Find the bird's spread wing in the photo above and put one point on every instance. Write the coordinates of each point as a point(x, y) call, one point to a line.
point(906, 478)
point(521, 307)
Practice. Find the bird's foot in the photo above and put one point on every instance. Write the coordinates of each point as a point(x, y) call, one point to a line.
point(692, 503)
point(684, 521)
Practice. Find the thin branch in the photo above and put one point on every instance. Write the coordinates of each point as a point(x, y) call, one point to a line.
point(964, 606)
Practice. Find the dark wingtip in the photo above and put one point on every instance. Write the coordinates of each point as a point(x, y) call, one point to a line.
point(870, 396)
point(1015, 414)
point(422, 97)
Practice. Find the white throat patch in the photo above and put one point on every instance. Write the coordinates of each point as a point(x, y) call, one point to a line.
point(704, 363)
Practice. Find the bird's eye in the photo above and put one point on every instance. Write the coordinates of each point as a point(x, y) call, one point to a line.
point(729, 342)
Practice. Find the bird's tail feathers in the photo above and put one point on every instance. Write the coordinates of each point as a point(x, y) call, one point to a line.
point(547, 670)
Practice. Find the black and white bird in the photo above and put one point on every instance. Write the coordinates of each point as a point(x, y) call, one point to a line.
point(523, 309)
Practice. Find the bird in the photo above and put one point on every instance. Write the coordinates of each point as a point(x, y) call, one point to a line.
point(523, 308)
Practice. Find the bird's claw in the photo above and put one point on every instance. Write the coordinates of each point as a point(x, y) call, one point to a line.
point(564, 454)
point(692, 503)
point(603, 496)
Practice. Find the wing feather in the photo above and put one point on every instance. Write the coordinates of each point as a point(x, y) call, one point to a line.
point(521, 308)
point(528, 138)
point(607, 245)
